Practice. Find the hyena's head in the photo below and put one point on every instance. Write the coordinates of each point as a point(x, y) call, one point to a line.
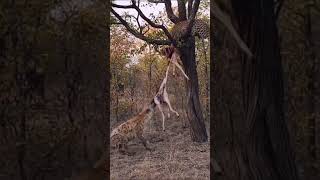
point(150, 108)
point(152, 105)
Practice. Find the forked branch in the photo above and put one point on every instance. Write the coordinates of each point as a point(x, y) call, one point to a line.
point(192, 16)
point(182, 10)
point(173, 18)
point(144, 17)
point(169, 11)
point(190, 2)
point(138, 34)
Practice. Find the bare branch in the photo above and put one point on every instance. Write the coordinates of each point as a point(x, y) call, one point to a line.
point(156, 1)
point(139, 25)
point(170, 13)
point(182, 10)
point(193, 15)
point(194, 9)
point(144, 17)
point(165, 30)
point(148, 28)
point(137, 34)
point(190, 2)
point(122, 6)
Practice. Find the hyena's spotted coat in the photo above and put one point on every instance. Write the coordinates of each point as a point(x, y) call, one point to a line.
point(132, 128)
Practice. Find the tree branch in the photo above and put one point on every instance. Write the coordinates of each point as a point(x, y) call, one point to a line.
point(190, 2)
point(165, 30)
point(156, 1)
point(193, 15)
point(170, 13)
point(122, 6)
point(144, 17)
point(182, 10)
point(139, 35)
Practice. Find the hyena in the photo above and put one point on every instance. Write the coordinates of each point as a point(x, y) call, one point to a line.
point(131, 129)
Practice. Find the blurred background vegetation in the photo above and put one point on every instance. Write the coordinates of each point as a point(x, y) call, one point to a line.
point(300, 44)
point(53, 87)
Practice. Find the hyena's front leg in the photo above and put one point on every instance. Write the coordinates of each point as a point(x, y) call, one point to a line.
point(123, 149)
point(144, 141)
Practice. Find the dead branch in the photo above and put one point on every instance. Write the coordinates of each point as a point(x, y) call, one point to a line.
point(143, 16)
point(190, 2)
point(193, 15)
point(139, 35)
point(170, 13)
point(182, 10)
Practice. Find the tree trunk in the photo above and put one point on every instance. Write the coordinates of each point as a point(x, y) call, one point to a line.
point(311, 73)
point(194, 112)
point(117, 98)
point(150, 73)
point(251, 139)
point(316, 85)
point(207, 88)
point(117, 107)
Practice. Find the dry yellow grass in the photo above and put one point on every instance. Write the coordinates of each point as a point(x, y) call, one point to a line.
point(175, 156)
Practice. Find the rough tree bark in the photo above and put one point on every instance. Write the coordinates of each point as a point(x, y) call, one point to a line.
point(194, 112)
point(316, 62)
point(311, 73)
point(250, 136)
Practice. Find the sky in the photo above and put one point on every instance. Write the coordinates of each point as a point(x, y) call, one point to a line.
point(146, 9)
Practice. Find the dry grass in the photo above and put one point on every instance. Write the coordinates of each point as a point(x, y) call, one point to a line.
point(175, 155)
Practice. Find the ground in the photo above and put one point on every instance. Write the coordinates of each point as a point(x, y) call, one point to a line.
point(174, 156)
